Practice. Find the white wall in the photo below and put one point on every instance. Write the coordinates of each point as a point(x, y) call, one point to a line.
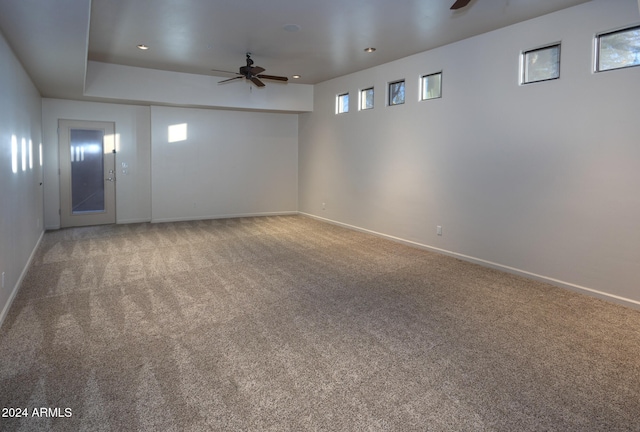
point(233, 163)
point(540, 179)
point(20, 192)
point(158, 87)
point(133, 131)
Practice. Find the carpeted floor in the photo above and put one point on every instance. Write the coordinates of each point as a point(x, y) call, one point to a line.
point(288, 323)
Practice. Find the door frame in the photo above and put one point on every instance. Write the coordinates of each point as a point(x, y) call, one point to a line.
point(67, 217)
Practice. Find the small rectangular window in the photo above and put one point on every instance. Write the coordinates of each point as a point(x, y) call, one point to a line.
point(342, 103)
point(366, 98)
point(618, 49)
point(541, 64)
point(431, 86)
point(396, 93)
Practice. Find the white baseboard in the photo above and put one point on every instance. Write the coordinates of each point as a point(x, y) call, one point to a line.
point(16, 288)
point(223, 216)
point(119, 222)
point(556, 282)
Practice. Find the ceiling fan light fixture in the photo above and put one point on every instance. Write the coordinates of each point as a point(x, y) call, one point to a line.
point(142, 47)
point(369, 50)
point(251, 73)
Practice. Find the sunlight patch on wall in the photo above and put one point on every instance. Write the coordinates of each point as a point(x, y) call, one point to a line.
point(109, 143)
point(14, 154)
point(30, 154)
point(24, 154)
point(177, 132)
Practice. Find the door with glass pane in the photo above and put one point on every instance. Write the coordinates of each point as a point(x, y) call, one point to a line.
point(87, 173)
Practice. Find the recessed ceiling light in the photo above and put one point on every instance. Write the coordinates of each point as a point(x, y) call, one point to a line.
point(143, 47)
point(369, 50)
point(291, 27)
point(295, 76)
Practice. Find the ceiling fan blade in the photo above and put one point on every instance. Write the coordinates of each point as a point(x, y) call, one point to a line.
point(255, 70)
point(257, 82)
point(459, 4)
point(229, 72)
point(273, 77)
point(230, 79)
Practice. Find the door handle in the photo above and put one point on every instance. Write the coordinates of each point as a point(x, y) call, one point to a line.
point(111, 179)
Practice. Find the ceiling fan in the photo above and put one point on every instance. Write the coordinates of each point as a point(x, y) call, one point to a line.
point(459, 4)
point(252, 73)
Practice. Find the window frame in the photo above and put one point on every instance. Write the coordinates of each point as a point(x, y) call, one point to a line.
point(597, 45)
point(422, 89)
point(338, 104)
point(523, 62)
point(361, 100)
point(391, 83)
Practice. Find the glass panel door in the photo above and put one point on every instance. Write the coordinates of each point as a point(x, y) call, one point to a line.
point(87, 171)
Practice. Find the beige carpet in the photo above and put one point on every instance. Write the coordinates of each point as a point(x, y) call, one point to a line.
point(287, 323)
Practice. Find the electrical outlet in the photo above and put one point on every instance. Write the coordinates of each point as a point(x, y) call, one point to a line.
point(439, 230)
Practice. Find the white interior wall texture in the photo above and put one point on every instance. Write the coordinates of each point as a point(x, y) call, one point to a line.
point(133, 132)
point(539, 179)
point(232, 163)
point(21, 224)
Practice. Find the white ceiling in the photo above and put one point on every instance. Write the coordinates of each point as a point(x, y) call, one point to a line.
point(55, 38)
